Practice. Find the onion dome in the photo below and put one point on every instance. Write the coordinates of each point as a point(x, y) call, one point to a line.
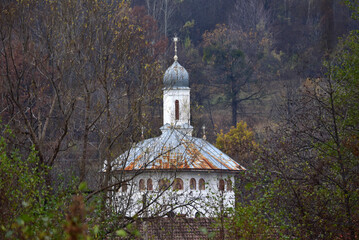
point(176, 76)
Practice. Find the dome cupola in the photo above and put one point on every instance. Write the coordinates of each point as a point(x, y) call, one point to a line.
point(176, 76)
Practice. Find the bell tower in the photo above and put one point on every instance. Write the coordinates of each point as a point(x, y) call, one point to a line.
point(176, 95)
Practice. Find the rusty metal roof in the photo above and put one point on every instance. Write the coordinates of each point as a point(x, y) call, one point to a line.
point(175, 149)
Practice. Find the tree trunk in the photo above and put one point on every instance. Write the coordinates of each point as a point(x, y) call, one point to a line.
point(85, 139)
point(234, 102)
point(327, 24)
point(166, 17)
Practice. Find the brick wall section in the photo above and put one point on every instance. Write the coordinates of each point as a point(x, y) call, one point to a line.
point(178, 228)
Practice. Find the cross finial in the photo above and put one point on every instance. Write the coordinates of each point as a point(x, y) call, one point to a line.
point(204, 132)
point(175, 40)
point(142, 129)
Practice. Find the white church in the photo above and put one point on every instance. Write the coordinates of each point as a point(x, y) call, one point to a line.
point(175, 173)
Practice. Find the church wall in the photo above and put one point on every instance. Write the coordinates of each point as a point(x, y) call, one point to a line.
point(186, 202)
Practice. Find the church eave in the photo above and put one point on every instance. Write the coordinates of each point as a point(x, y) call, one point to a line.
point(180, 170)
point(175, 150)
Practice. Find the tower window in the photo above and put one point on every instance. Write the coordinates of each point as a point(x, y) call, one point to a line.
point(192, 184)
point(221, 185)
point(149, 184)
point(177, 109)
point(178, 184)
point(201, 184)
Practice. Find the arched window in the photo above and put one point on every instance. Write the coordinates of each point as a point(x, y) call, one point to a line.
point(142, 185)
point(177, 109)
point(229, 185)
point(124, 187)
point(149, 184)
point(201, 184)
point(221, 185)
point(192, 184)
point(163, 184)
point(178, 184)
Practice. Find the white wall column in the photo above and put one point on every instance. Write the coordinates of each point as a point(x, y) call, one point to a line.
point(182, 94)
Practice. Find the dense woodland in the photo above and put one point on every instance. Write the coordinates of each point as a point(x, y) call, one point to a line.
point(276, 83)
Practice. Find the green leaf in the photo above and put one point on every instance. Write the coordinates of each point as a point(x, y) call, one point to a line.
point(203, 230)
point(96, 230)
point(248, 186)
point(121, 233)
point(20, 221)
point(83, 186)
point(8, 234)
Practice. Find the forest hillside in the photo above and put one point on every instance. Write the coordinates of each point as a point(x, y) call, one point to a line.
point(247, 59)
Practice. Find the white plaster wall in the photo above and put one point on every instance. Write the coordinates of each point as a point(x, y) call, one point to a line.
point(169, 98)
point(188, 202)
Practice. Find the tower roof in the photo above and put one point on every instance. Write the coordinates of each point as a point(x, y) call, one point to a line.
point(176, 76)
point(175, 150)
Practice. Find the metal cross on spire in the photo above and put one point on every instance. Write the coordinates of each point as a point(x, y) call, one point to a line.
point(142, 129)
point(204, 132)
point(175, 40)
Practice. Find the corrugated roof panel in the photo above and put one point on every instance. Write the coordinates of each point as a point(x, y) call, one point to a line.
point(175, 150)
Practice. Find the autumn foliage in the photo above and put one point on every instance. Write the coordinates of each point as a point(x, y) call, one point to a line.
point(239, 143)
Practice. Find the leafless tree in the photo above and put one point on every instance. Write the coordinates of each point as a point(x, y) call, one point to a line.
point(250, 16)
point(162, 11)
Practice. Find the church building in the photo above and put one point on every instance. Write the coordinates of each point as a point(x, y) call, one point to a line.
point(175, 173)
